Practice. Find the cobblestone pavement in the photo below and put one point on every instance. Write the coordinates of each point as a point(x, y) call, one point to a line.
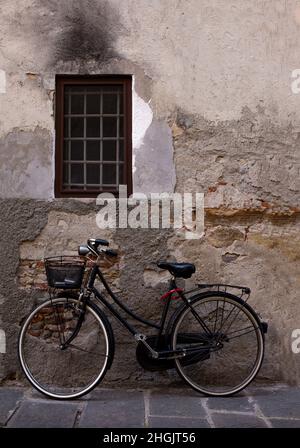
point(257, 407)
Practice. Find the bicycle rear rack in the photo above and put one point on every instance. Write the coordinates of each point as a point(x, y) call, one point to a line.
point(222, 287)
point(244, 295)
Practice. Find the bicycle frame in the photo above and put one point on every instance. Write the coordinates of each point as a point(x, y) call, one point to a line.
point(96, 272)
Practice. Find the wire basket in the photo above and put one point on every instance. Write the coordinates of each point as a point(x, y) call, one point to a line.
point(64, 272)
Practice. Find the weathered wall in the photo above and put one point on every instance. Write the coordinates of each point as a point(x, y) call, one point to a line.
point(213, 111)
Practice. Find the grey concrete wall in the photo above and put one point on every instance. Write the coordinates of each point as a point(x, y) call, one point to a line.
point(213, 111)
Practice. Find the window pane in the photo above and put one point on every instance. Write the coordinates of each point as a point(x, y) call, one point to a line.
point(77, 150)
point(69, 89)
point(66, 127)
point(93, 127)
point(109, 174)
point(77, 173)
point(109, 127)
point(110, 104)
point(93, 150)
point(121, 150)
point(121, 174)
point(66, 104)
point(92, 173)
point(95, 88)
point(121, 127)
point(77, 104)
point(121, 111)
point(66, 150)
point(109, 150)
point(76, 127)
point(66, 173)
point(106, 88)
point(93, 104)
point(77, 187)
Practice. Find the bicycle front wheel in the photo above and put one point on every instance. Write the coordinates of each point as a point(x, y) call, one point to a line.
point(224, 344)
point(71, 371)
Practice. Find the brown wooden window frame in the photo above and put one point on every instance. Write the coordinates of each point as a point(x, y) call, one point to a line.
point(66, 80)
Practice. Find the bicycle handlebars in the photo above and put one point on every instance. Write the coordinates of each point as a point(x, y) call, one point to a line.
point(98, 242)
point(92, 246)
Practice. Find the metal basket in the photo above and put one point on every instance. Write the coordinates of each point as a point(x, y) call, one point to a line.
point(64, 272)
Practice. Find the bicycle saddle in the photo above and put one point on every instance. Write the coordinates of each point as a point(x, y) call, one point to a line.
point(179, 270)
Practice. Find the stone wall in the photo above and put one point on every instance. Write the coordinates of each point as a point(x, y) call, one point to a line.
point(213, 112)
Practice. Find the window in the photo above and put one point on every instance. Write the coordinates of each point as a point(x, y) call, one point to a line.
point(93, 135)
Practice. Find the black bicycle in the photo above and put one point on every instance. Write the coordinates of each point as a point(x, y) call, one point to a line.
point(214, 338)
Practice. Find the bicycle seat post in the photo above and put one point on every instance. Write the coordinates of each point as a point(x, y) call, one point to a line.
point(173, 283)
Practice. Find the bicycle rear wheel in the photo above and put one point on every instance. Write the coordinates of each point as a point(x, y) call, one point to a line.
point(225, 356)
point(70, 372)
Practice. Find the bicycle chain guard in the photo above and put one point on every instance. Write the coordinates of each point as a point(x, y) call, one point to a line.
point(144, 358)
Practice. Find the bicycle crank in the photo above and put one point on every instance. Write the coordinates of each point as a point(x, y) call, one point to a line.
point(165, 354)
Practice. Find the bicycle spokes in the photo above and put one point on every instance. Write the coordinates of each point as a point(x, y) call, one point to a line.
point(54, 365)
point(227, 358)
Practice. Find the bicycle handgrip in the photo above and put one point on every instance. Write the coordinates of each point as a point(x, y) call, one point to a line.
point(100, 242)
point(111, 252)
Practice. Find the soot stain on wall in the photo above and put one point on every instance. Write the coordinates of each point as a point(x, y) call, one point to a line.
point(85, 30)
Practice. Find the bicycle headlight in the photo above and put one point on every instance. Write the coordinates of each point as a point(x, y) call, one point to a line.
point(83, 250)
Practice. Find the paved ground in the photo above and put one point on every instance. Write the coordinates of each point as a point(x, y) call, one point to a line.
point(258, 407)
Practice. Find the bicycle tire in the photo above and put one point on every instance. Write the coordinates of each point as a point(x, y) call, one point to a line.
point(177, 319)
point(108, 336)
